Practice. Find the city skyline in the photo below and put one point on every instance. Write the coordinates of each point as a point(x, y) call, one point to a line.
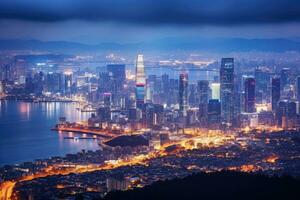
point(142, 99)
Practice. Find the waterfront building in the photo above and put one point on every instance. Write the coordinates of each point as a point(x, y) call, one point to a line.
point(68, 82)
point(54, 82)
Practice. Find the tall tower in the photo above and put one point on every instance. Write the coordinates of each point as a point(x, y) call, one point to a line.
point(298, 88)
point(275, 92)
point(250, 95)
point(183, 94)
point(284, 77)
point(203, 90)
point(140, 81)
point(68, 82)
point(227, 91)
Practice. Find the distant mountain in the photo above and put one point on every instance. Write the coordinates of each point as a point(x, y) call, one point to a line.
point(166, 44)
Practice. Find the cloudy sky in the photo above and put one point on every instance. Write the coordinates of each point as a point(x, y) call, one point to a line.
point(95, 21)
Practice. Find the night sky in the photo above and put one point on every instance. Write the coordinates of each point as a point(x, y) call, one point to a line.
point(94, 21)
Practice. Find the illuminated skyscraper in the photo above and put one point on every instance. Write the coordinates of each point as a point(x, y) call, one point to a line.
point(215, 91)
point(140, 81)
point(298, 88)
point(250, 95)
point(275, 93)
point(227, 91)
point(183, 94)
point(68, 82)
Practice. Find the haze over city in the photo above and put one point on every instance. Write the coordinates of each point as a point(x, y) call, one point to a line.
point(140, 99)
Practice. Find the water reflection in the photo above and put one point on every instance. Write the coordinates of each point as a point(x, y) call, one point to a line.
point(25, 131)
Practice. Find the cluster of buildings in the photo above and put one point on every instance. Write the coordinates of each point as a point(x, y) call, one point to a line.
point(279, 156)
point(235, 98)
point(231, 100)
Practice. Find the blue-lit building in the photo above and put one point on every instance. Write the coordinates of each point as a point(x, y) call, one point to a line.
point(227, 92)
point(298, 88)
point(214, 114)
point(284, 77)
point(275, 92)
point(203, 93)
point(140, 82)
point(183, 94)
point(250, 95)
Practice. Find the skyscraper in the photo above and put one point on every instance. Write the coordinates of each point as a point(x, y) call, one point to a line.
point(68, 82)
point(183, 94)
point(286, 114)
point(262, 82)
point(284, 77)
point(215, 91)
point(203, 90)
point(227, 91)
point(275, 92)
point(54, 82)
point(250, 95)
point(214, 113)
point(117, 74)
point(104, 82)
point(140, 81)
point(298, 88)
point(117, 79)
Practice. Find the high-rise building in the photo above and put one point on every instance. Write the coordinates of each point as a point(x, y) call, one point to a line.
point(227, 91)
point(183, 94)
point(140, 81)
point(250, 95)
point(262, 82)
point(104, 82)
point(284, 77)
point(117, 78)
point(215, 91)
point(214, 113)
point(54, 82)
point(286, 114)
point(173, 92)
point(298, 88)
point(193, 95)
point(107, 99)
point(117, 75)
point(203, 93)
point(1, 87)
point(275, 92)
point(68, 82)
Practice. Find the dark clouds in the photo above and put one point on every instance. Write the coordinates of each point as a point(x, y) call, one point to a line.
point(190, 12)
